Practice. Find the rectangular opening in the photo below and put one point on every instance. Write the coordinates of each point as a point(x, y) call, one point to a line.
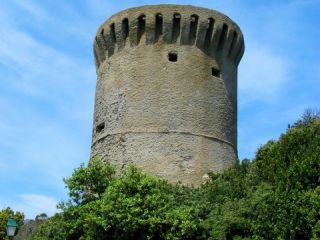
point(141, 27)
point(207, 40)
point(100, 127)
point(175, 27)
point(125, 28)
point(158, 30)
point(215, 72)
point(113, 32)
point(193, 28)
point(172, 56)
point(223, 37)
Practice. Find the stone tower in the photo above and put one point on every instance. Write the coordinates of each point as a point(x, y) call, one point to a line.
point(166, 93)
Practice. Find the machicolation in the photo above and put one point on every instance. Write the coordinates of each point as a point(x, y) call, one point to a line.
point(166, 94)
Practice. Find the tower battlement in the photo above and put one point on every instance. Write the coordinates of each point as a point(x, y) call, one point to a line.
point(166, 94)
point(210, 31)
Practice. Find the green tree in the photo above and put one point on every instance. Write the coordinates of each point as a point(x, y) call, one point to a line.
point(89, 183)
point(133, 206)
point(274, 196)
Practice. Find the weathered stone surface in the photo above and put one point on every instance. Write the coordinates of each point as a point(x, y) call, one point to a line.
point(175, 118)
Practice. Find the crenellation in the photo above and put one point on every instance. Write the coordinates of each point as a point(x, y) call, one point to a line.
point(133, 31)
point(201, 34)
point(228, 43)
point(120, 38)
point(100, 49)
point(167, 27)
point(215, 35)
point(150, 29)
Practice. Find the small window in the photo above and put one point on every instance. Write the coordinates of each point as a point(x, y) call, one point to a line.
point(100, 127)
point(173, 57)
point(215, 72)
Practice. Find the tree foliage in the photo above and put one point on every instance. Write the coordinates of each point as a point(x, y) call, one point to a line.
point(5, 214)
point(274, 196)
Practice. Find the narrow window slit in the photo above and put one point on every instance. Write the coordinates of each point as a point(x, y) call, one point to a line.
point(100, 128)
point(234, 39)
point(223, 37)
point(193, 28)
point(176, 27)
point(113, 33)
point(102, 31)
point(207, 40)
point(141, 27)
point(158, 30)
point(172, 56)
point(125, 28)
point(215, 72)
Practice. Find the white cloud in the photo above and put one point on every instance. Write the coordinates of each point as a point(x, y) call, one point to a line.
point(46, 101)
point(31, 204)
point(34, 204)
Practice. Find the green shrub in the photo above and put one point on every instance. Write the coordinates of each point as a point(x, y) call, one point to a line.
point(275, 196)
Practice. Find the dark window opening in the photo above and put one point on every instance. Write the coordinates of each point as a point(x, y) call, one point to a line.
point(176, 27)
point(125, 28)
point(193, 28)
point(159, 23)
point(215, 72)
point(209, 32)
point(113, 32)
point(173, 57)
point(141, 27)
point(100, 127)
point(223, 37)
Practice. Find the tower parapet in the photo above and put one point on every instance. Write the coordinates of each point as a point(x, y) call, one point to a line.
point(212, 32)
point(166, 96)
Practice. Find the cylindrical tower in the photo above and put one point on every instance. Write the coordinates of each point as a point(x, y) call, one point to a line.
point(166, 95)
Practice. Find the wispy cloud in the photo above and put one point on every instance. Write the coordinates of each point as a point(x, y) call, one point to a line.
point(35, 204)
point(46, 100)
point(47, 81)
point(31, 204)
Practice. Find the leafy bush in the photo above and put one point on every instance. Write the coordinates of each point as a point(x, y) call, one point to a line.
point(274, 196)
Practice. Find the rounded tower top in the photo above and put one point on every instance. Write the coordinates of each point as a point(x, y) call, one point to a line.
point(212, 32)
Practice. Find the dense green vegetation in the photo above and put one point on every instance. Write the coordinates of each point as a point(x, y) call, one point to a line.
point(274, 196)
point(5, 214)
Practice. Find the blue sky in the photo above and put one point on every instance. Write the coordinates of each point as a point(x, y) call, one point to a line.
point(47, 84)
